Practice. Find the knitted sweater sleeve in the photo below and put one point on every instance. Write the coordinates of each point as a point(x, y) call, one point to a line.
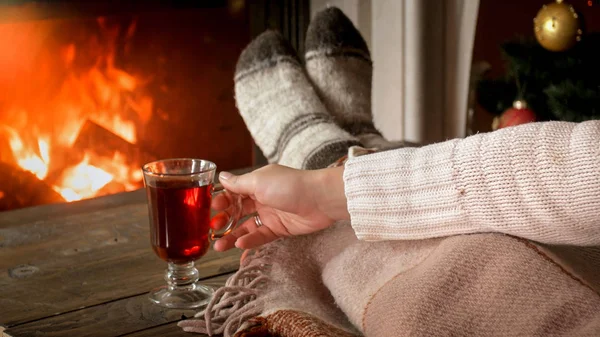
point(539, 181)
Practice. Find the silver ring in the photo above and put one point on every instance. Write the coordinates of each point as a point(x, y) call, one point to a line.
point(257, 221)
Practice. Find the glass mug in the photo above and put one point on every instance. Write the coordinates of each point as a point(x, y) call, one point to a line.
point(179, 195)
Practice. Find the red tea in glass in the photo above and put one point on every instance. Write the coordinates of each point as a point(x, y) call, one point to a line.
point(179, 195)
point(180, 217)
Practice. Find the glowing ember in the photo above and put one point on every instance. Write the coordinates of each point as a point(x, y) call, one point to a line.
point(48, 90)
point(84, 181)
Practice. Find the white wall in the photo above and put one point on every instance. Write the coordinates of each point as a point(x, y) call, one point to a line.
point(388, 67)
point(421, 51)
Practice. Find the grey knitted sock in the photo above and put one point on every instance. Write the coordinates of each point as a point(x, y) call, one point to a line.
point(281, 109)
point(339, 65)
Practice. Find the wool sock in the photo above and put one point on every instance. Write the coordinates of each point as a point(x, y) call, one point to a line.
point(339, 65)
point(281, 109)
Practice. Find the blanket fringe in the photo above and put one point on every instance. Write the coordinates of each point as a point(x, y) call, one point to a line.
point(238, 301)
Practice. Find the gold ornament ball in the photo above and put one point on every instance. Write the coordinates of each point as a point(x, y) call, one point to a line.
point(557, 26)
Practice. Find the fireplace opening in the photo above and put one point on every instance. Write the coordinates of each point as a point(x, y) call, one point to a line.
point(87, 97)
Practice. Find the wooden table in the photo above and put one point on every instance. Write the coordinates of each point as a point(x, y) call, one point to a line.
point(84, 269)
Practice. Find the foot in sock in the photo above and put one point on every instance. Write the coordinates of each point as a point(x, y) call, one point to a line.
point(339, 65)
point(282, 111)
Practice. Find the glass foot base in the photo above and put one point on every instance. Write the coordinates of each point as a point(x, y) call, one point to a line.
point(190, 297)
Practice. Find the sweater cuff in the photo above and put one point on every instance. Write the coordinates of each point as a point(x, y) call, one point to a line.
point(408, 193)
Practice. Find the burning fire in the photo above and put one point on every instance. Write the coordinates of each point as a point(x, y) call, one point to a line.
point(83, 181)
point(52, 90)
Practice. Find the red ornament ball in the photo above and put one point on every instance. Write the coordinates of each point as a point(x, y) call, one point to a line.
point(518, 114)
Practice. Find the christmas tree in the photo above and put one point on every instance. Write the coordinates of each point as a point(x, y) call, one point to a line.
point(556, 85)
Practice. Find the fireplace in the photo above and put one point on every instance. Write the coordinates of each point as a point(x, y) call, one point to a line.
point(89, 91)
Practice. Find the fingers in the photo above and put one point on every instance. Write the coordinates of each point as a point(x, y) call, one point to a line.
point(244, 184)
point(256, 238)
point(222, 202)
point(246, 236)
point(228, 241)
point(219, 221)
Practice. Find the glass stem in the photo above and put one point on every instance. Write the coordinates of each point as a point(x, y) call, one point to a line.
point(181, 276)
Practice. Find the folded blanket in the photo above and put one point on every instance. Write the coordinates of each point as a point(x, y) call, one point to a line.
point(331, 284)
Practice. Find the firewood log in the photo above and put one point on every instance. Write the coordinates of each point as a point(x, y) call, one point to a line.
point(101, 142)
point(19, 188)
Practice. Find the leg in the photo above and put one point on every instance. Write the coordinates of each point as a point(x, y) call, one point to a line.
point(281, 109)
point(339, 65)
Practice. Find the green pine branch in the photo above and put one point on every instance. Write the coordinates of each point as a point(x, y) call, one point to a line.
point(557, 86)
point(574, 102)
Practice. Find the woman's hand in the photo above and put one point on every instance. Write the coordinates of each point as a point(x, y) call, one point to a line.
point(288, 201)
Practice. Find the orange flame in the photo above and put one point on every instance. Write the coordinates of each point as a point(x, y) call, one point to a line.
point(83, 181)
point(47, 96)
point(35, 161)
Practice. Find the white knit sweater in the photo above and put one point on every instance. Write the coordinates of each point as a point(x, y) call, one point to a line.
point(539, 181)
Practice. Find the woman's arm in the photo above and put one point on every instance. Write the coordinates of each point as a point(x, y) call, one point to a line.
point(539, 181)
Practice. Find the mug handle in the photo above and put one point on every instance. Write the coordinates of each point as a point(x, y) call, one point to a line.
point(234, 212)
